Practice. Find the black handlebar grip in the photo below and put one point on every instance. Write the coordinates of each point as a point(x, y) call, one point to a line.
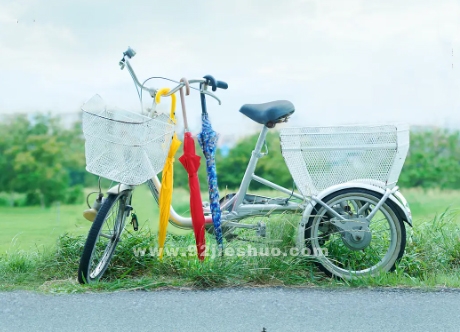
point(214, 83)
point(222, 85)
point(211, 81)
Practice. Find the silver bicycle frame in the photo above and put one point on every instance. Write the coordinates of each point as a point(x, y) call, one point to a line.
point(234, 208)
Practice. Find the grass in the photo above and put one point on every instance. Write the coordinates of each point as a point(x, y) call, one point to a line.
point(427, 204)
point(54, 271)
point(432, 257)
point(35, 228)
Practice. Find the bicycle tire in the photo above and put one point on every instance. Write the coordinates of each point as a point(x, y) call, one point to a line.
point(88, 272)
point(336, 261)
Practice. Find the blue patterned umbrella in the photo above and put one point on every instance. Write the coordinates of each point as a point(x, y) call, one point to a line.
point(208, 142)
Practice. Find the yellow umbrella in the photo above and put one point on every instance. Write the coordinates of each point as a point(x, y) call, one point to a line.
point(167, 176)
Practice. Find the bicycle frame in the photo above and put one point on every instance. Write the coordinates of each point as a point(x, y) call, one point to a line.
point(235, 209)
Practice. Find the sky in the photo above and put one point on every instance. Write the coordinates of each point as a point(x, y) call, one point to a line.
point(338, 61)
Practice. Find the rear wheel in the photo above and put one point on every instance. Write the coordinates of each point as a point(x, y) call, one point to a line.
point(103, 237)
point(358, 246)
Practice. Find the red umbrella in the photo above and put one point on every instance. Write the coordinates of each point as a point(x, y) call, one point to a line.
point(191, 162)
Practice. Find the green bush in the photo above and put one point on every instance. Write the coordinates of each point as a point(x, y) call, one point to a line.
point(74, 195)
point(433, 160)
point(36, 159)
point(4, 201)
point(14, 199)
point(32, 199)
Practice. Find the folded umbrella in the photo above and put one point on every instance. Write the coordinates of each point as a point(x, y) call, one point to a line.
point(191, 162)
point(166, 177)
point(207, 139)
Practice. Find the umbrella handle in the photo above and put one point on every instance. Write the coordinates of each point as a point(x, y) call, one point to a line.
point(187, 86)
point(182, 100)
point(162, 92)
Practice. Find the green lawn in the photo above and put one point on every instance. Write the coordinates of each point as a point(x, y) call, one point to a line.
point(426, 204)
point(27, 228)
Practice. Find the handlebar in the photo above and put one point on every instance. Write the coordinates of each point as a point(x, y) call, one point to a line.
point(214, 83)
point(204, 82)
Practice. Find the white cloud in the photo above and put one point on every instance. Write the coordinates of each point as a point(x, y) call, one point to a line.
point(338, 61)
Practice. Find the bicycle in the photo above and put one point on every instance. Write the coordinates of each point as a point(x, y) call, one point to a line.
point(351, 212)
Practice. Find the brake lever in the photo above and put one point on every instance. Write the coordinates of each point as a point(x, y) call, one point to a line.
point(211, 95)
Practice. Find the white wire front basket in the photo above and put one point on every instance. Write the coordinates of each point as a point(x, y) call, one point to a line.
point(320, 157)
point(122, 146)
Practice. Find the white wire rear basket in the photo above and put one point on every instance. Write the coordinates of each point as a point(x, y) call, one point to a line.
point(122, 146)
point(320, 157)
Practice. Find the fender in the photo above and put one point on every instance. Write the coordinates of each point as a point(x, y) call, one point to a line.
point(119, 188)
point(403, 209)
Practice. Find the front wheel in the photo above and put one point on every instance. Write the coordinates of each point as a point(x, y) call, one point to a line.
point(103, 237)
point(358, 246)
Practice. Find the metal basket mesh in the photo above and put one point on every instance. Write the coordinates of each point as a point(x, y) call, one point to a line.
point(320, 157)
point(122, 146)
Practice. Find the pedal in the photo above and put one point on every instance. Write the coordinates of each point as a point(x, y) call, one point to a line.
point(257, 199)
point(262, 229)
point(134, 222)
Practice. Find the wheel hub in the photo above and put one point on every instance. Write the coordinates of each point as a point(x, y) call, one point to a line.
point(358, 239)
point(355, 232)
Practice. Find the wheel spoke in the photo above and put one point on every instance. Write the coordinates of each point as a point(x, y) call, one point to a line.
point(348, 256)
point(107, 236)
point(102, 240)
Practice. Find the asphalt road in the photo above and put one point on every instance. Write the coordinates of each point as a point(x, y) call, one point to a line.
point(249, 309)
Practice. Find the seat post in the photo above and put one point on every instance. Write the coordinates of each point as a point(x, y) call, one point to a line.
point(247, 178)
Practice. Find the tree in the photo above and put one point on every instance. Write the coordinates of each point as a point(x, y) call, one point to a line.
point(271, 167)
point(433, 159)
point(36, 157)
